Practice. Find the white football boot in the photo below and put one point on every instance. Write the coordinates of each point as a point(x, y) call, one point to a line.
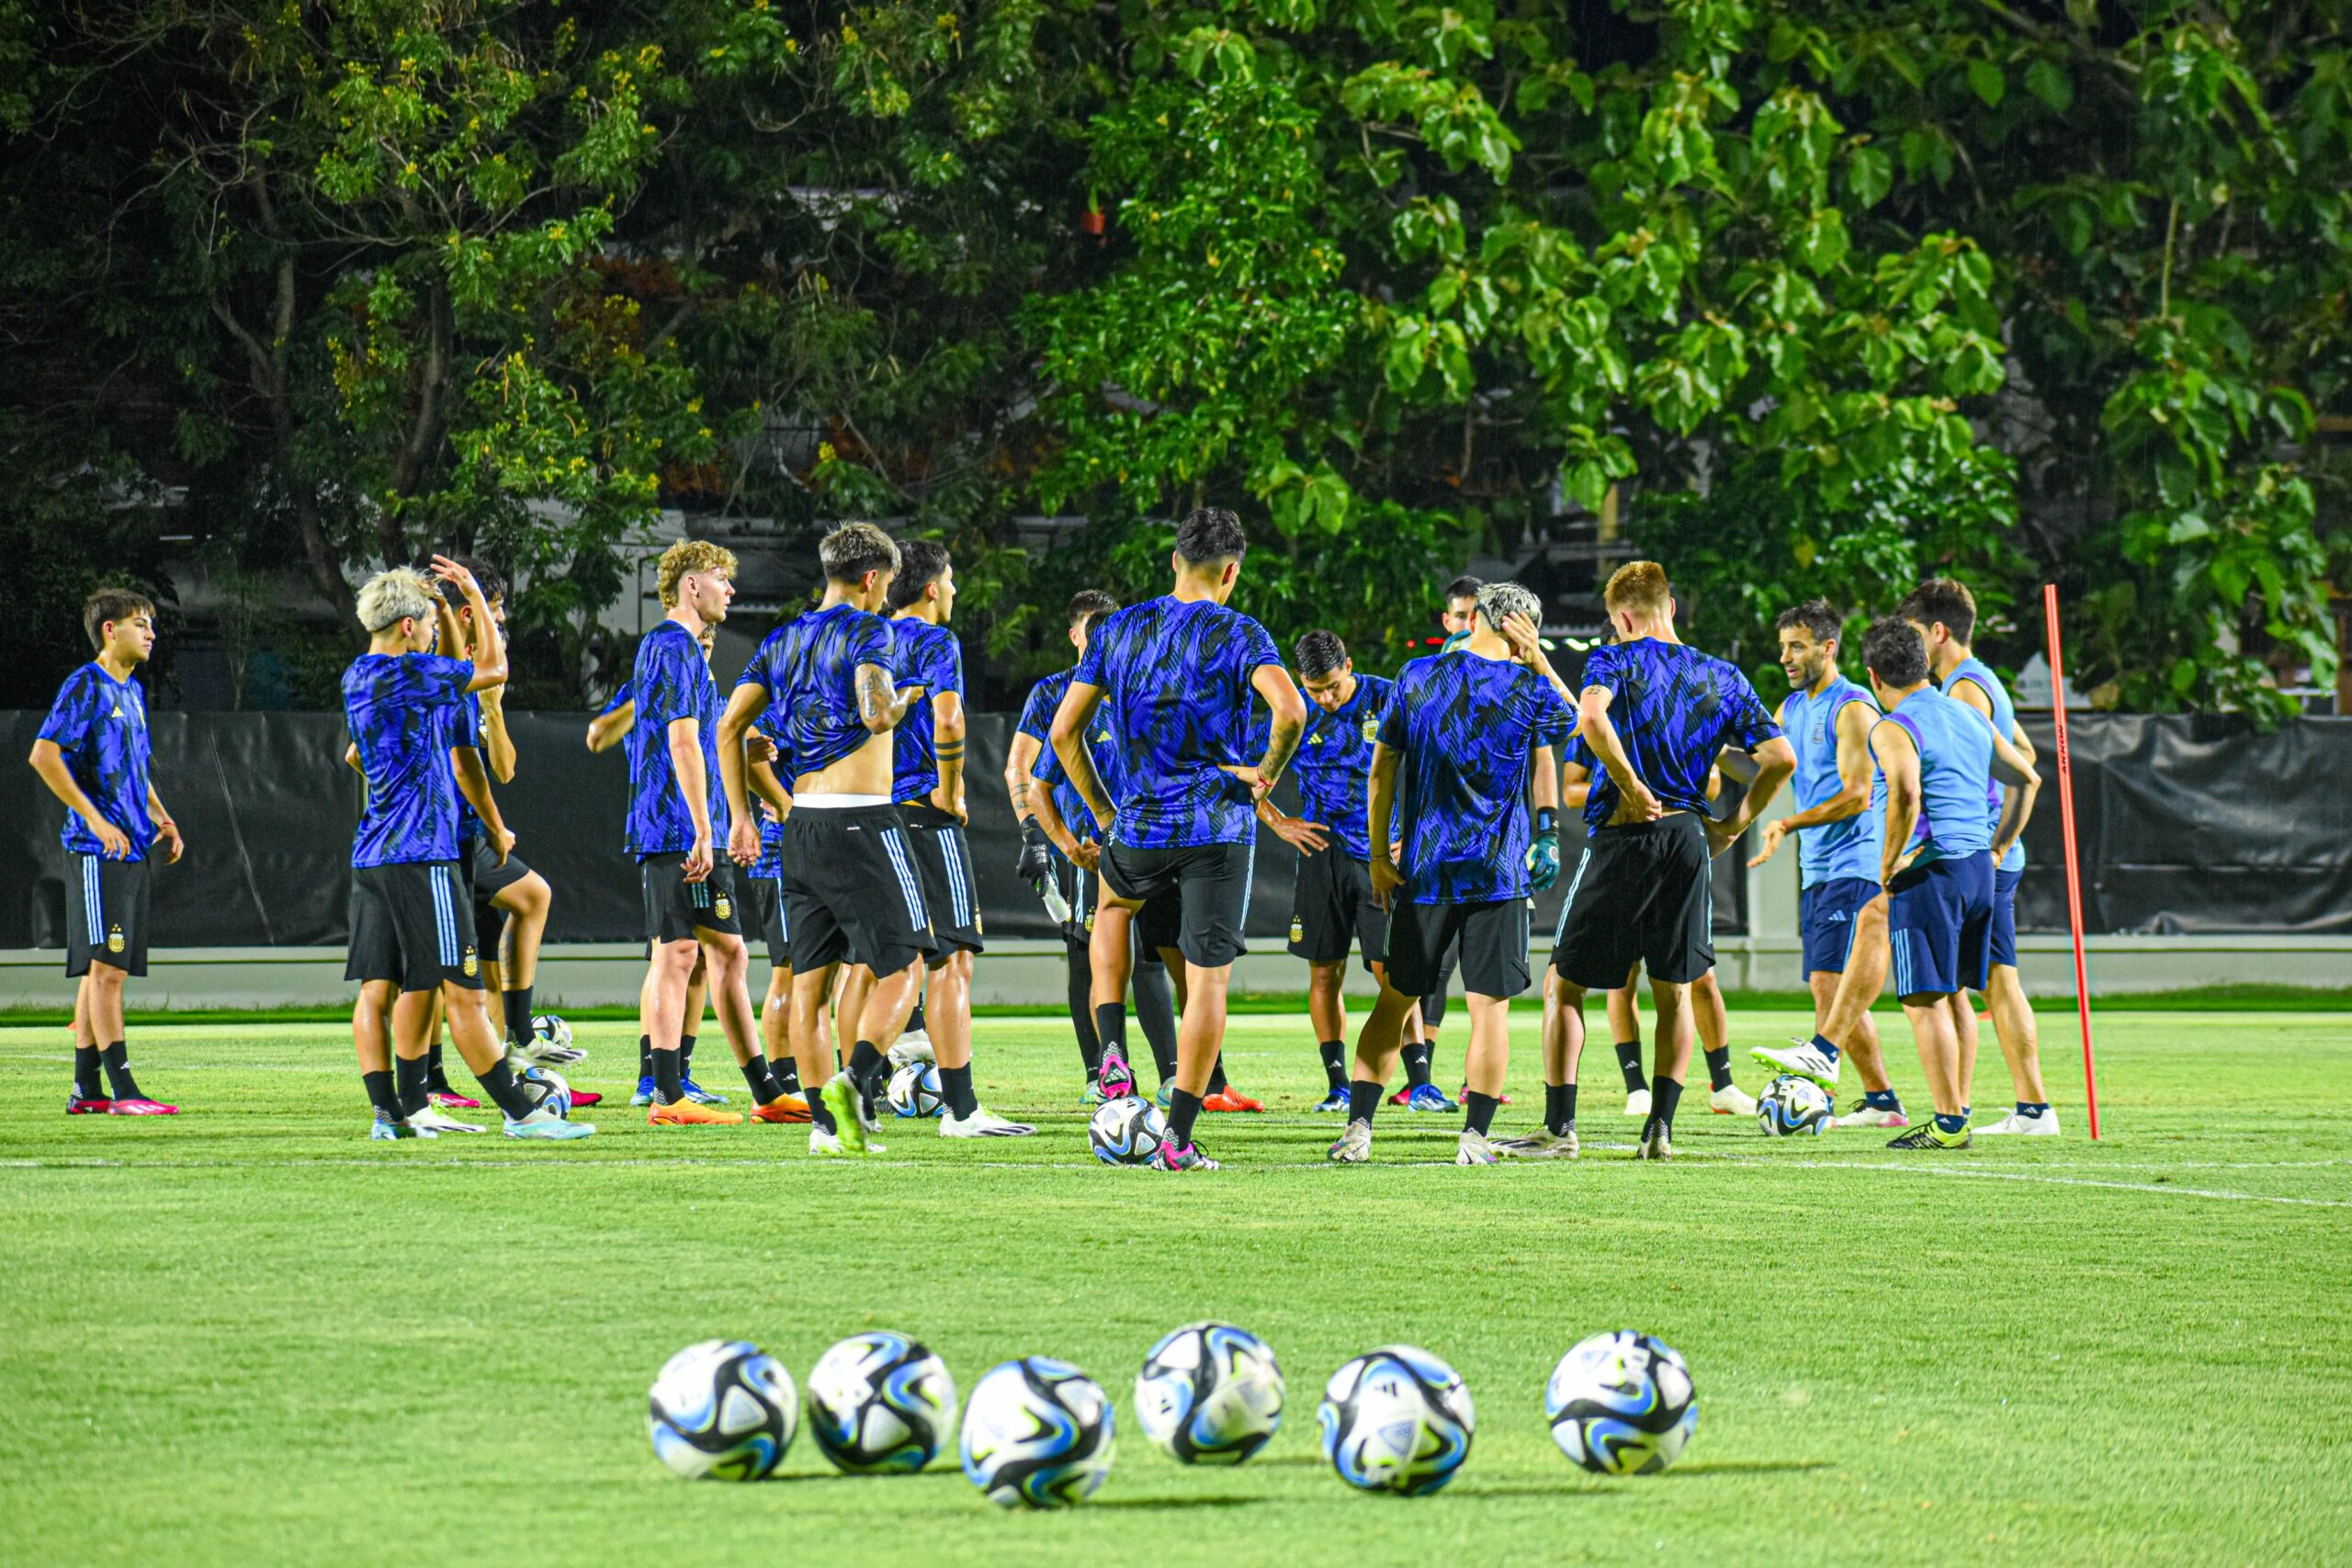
point(1544, 1144)
point(1801, 1058)
point(1638, 1103)
point(2044, 1126)
point(431, 1121)
point(1472, 1148)
point(1731, 1100)
point(1354, 1145)
point(982, 1123)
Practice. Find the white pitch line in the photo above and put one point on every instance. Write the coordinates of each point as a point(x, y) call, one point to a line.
point(2164, 1189)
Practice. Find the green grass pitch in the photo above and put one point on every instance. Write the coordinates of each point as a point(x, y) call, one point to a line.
point(247, 1336)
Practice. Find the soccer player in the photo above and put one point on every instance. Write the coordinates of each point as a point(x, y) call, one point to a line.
point(1945, 613)
point(1060, 850)
point(1176, 673)
point(1332, 897)
point(1840, 816)
point(408, 937)
point(761, 884)
point(1940, 759)
point(825, 680)
point(927, 785)
point(1471, 731)
point(1655, 713)
point(92, 752)
point(1460, 613)
point(675, 810)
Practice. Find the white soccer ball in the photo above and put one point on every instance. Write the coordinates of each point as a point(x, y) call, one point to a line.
point(1126, 1130)
point(1791, 1104)
point(1037, 1433)
point(914, 1090)
point(880, 1403)
point(1397, 1419)
point(1620, 1404)
point(724, 1410)
point(548, 1027)
point(1209, 1394)
point(547, 1088)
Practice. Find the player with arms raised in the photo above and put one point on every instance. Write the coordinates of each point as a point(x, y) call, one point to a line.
point(1177, 673)
point(92, 752)
point(1469, 732)
point(1656, 713)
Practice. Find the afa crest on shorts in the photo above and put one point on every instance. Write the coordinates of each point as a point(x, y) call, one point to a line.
point(472, 963)
point(114, 939)
point(723, 906)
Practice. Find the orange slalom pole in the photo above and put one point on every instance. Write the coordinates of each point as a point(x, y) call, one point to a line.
point(2074, 872)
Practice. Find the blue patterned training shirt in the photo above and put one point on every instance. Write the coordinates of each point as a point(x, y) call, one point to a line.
point(1467, 727)
point(1674, 708)
point(672, 681)
point(932, 658)
point(1334, 764)
point(398, 708)
point(808, 669)
point(100, 725)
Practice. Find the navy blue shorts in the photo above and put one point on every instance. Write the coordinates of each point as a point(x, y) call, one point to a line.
point(1826, 915)
point(1939, 926)
point(2005, 917)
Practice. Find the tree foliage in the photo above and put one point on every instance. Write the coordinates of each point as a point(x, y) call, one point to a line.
point(1829, 296)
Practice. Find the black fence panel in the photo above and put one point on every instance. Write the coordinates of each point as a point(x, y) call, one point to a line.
point(2188, 824)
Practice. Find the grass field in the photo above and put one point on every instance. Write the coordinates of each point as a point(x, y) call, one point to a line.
point(247, 1336)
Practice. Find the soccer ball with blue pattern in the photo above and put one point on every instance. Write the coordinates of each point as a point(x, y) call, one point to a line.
point(1126, 1130)
point(914, 1090)
point(1791, 1104)
point(881, 1404)
point(1209, 1394)
point(551, 1030)
point(1397, 1419)
point(1620, 1404)
point(724, 1410)
point(547, 1088)
point(1038, 1434)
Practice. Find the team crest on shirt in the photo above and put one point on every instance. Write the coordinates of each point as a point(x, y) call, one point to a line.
point(114, 939)
point(471, 965)
point(723, 906)
point(1298, 928)
point(1370, 729)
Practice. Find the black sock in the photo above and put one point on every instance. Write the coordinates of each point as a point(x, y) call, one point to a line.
point(1081, 1011)
point(1217, 1084)
point(436, 1078)
point(381, 1095)
point(1719, 1068)
point(1335, 1068)
point(1559, 1106)
point(915, 1021)
point(1665, 1097)
point(116, 1059)
point(1417, 1065)
point(87, 1084)
point(518, 1015)
point(666, 1074)
point(820, 1115)
point(645, 1055)
point(869, 1069)
point(1629, 1062)
point(685, 1055)
point(504, 1091)
point(786, 1074)
point(956, 1086)
point(1363, 1098)
point(409, 1081)
point(1111, 1028)
point(760, 1080)
point(1481, 1110)
point(1184, 1109)
point(1156, 1012)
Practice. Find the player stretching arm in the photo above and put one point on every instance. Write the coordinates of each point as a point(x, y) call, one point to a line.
point(1176, 673)
point(825, 683)
point(91, 753)
point(1656, 714)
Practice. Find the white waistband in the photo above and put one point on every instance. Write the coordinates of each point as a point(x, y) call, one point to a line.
point(836, 802)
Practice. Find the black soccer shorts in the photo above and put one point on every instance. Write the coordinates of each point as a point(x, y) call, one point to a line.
point(1331, 904)
point(761, 907)
point(676, 909)
point(409, 925)
point(1493, 937)
point(487, 879)
point(944, 862)
point(1211, 884)
point(1640, 895)
point(105, 913)
point(851, 889)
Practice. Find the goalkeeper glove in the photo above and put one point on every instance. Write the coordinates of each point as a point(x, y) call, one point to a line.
point(1544, 854)
point(1036, 861)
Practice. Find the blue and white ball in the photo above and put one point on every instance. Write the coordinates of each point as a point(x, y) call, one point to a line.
point(1038, 1434)
point(1209, 1394)
point(881, 1404)
point(914, 1090)
point(1126, 1130)
point(1397, 1419)
point(1789, 1105)
point(1621, 1404)
point(550, 1029)
point(547, 1090)
point(723, 1410)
